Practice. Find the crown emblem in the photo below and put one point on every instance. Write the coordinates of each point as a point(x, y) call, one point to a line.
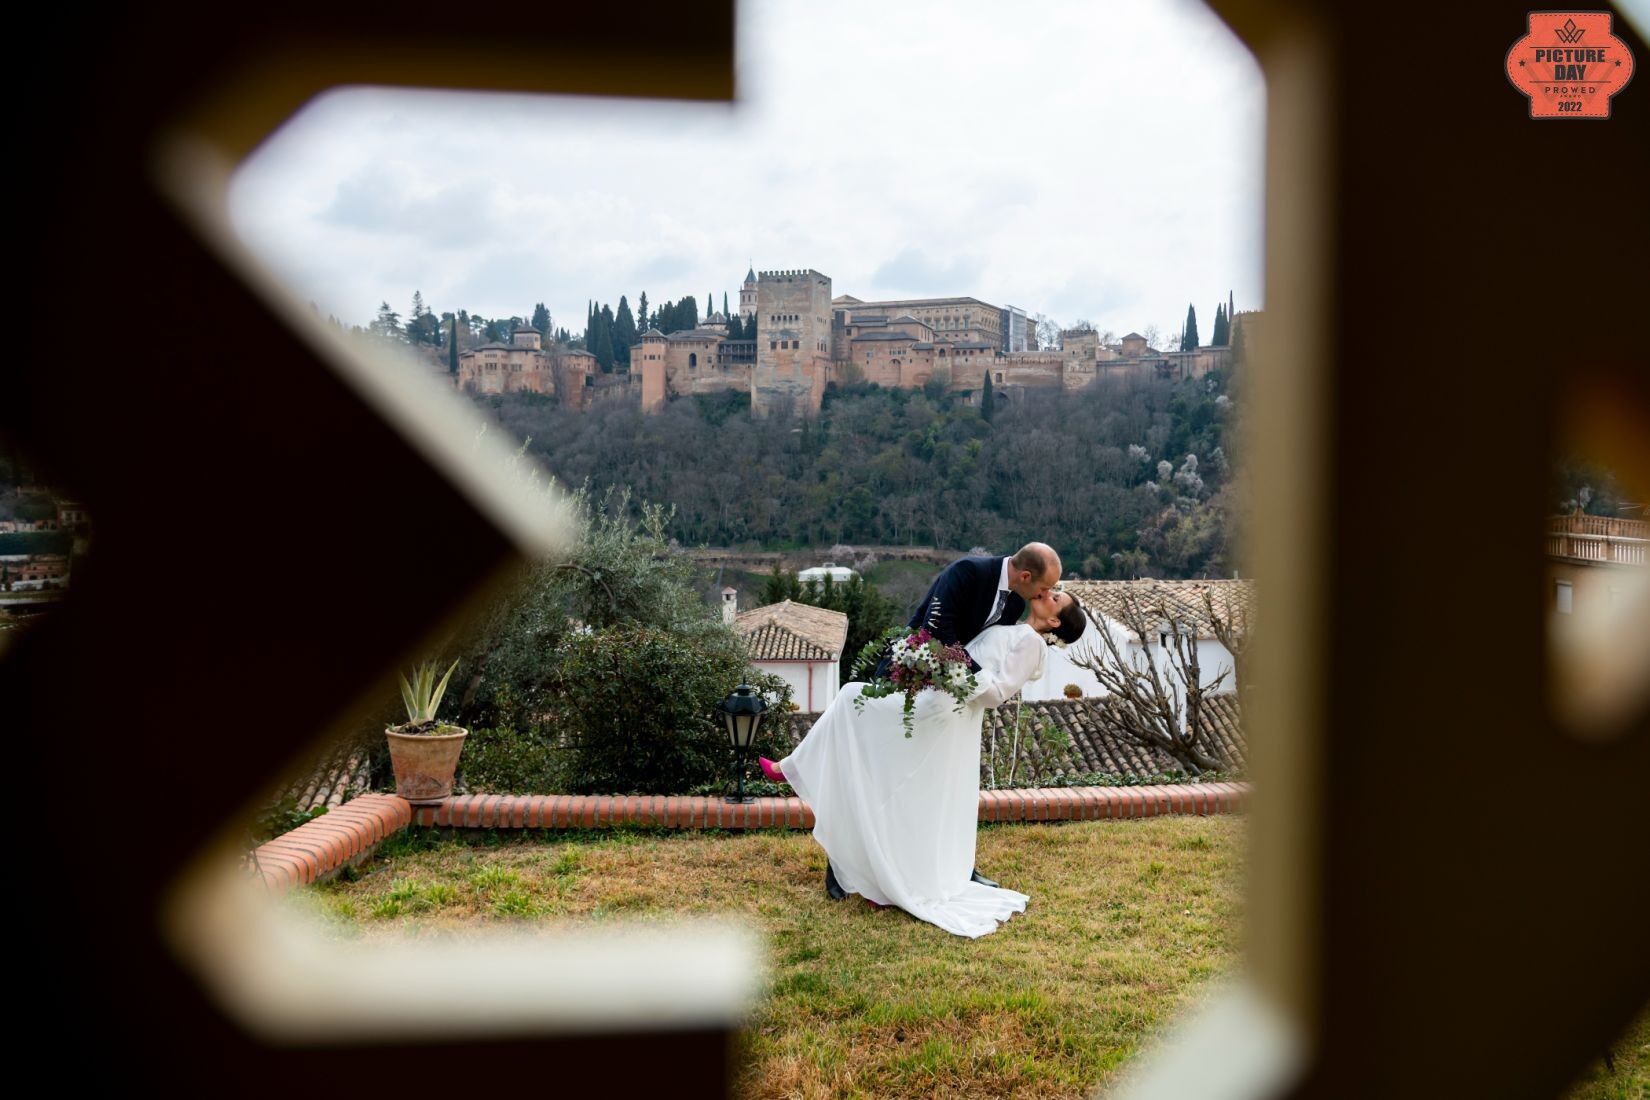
point(1569, 32)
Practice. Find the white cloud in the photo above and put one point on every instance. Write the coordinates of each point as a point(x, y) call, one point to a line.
point(1082, 160)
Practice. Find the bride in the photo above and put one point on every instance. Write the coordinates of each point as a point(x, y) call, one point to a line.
point(897, 816)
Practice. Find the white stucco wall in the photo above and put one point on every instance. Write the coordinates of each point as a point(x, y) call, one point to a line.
point(813, 683)
point(1212, 659)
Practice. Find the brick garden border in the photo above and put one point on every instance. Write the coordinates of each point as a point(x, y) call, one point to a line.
point(348, 834)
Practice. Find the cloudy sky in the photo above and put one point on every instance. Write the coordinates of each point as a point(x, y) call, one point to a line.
point(1080, 159)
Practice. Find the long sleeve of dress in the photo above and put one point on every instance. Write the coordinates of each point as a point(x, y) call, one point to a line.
point(1021, 660)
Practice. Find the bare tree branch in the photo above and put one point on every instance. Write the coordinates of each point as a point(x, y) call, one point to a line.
point(1147, 709)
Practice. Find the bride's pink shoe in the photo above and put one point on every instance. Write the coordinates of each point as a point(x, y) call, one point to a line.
point(771, 770)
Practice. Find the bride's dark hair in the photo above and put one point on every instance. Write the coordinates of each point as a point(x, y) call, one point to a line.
point(1073, 621)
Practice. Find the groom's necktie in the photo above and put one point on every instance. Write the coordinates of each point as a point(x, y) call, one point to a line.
point(997, 608)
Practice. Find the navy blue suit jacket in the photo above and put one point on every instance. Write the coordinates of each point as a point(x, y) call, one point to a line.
point(966, 591)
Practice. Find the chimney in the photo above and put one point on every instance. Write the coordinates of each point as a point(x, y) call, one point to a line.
point(730, 604)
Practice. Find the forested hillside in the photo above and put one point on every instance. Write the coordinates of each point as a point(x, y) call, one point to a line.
point(1126, 478)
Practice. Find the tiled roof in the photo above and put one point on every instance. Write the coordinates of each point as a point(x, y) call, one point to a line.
point(338, 772)
point(790, 631)
point(694, 334)
point(1095, 745)
point(1234, 598)
point(883, 336)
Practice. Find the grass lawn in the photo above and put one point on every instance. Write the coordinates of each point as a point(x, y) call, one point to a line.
point(1129, 922)
point(1631, 1079)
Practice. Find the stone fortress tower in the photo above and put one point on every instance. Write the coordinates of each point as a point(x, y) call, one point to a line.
point(647, 358)
point(747, 297)
point(793, 342)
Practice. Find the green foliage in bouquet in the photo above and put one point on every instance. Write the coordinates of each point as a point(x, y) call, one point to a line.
point(918, 661)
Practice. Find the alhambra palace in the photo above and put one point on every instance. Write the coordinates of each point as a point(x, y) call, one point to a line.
point(807, 339)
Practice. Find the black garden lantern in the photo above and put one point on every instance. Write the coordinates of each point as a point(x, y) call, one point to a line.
point(742, 712)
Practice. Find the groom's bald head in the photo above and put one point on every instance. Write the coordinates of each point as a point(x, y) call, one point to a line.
point(1034, 570)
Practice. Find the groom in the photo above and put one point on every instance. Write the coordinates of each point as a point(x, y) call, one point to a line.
point(974, 593)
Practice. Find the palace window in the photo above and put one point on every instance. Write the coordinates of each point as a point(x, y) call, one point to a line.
point(1563, 592)
point(693, 360)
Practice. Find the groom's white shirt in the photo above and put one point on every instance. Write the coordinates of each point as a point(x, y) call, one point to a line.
point(1002, 596)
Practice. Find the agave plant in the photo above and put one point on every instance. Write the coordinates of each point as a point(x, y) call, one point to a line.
point(423, 695)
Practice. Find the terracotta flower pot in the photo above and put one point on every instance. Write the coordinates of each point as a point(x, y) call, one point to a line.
point(424, 763)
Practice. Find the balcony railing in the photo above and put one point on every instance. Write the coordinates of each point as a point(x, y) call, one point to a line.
point(1605, 539)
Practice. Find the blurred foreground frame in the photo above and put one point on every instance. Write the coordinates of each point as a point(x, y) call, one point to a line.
point(1461, 927)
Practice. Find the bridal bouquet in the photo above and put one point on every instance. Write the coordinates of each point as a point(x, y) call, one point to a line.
point(916, 661)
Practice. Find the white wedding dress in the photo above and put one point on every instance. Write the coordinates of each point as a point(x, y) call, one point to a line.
point(897, 816)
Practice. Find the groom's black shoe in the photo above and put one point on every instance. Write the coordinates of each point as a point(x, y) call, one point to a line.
point(981, 879)
point(833, 889)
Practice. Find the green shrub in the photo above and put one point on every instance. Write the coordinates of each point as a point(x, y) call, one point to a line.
point(504, 761)
point(638, 709)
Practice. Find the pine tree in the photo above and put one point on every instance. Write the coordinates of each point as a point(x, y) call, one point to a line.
point(988, 398)
point(1188, 338)
point(388, 322)
point(421, 325)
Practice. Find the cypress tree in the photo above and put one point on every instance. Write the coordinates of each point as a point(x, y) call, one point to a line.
point(710, 305)
point(541, 320)
point(604, 338)
point(1219, 336)
point(725, 312)
point(452, 348)
point(987, 398)
point(641, 313)
point(1230, 313)
point(624, 331)
point(1188, 339)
